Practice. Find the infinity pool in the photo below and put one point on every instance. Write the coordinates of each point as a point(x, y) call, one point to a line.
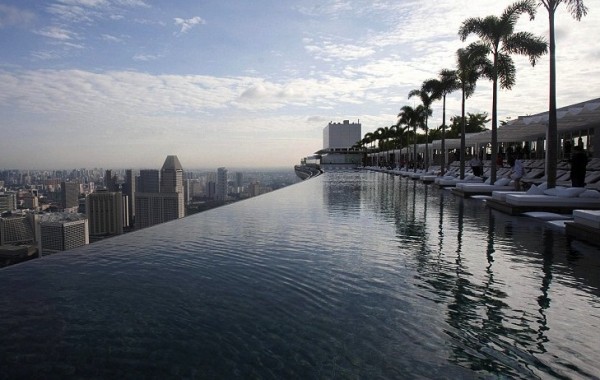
point(347, 275)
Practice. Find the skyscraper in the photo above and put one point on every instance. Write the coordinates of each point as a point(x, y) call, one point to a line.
point(221, 184)
point(69, 194)
point(110, 181)
point(153, 206)
point(149, 181)
point(171, 182)
point(129, 190)
point(105, 213)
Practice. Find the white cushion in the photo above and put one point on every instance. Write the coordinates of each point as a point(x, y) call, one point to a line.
point(570, 192)
point(543, 186)
point(487, 181)
point(589, 193)
point(554, 191)
point(502, 182)
point(534, 190)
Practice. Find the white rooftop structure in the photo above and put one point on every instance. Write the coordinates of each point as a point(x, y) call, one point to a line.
point(341, 135)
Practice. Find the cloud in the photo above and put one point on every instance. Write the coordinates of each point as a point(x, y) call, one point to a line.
point(145, 57)
point(90, 10)
point(187, 24)
point(330, 51)
point(111, 38)
point(12, 16)
point(56, 33)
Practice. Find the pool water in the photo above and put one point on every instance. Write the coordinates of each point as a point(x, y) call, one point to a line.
point(346, 275)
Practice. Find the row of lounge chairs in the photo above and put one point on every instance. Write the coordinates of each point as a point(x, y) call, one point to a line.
point(582, 203)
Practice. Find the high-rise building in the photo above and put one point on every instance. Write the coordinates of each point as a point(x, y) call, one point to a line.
point(154, 207)
point(110, 181)
point(211, 190)
point(129, 190)
point(8, 202)
point(16, 229)
point(61, 232)
point(239, 179)
point(105, 213)
point(221, 184)
point(149, 181)
point(341, 135)
point(171, 182)
point(69, 194)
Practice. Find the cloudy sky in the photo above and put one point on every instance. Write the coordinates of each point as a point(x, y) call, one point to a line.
point(239, 83)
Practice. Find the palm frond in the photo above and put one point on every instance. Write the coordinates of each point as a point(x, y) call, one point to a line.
point(526, 43)
point(512, 13)
point(507, 72)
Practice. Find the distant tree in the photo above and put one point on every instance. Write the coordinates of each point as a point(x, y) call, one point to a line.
point(413, 117)
point(427, 97)
point(474, 122)
point(471, 64)
point(446, 84)
point(498, 36)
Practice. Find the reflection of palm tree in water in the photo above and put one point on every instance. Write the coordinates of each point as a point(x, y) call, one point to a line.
point(544, 299)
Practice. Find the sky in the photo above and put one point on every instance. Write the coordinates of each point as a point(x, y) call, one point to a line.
point(239, 83)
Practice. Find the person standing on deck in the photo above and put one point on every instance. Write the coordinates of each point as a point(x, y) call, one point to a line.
point(578, 163)
point(517, 171)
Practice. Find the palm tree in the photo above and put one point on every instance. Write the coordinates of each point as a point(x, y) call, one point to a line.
point(472, 63)
point(398, 131)
point(577, 10)
point(474, 122)
point(498, 35)
point(425, 94)
point(447, 83)
point(412, 117)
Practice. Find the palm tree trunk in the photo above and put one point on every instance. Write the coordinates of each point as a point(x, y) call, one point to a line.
point(426, 144)
point(415, 148)
point(443, 134)
point(494, 120)
point(552, 131)
point(462, 135)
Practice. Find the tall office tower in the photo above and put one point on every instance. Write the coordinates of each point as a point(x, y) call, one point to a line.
point(156, 208)
point(221, 184)
point(69, 194)
point(129, 190)
point(187, 191)
point(239, 179)
point(8, 202)
point(211, 190)
point(110, 181)
point(149, 181)
point(171, 181)
point(61, 232)
point(105, 213)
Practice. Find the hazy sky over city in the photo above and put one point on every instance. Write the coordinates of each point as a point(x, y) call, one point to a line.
point(124, 83)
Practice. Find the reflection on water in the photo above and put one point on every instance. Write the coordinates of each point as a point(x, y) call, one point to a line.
point(350, 274)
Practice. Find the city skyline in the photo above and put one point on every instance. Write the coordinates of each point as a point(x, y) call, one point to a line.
point(103, 82)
